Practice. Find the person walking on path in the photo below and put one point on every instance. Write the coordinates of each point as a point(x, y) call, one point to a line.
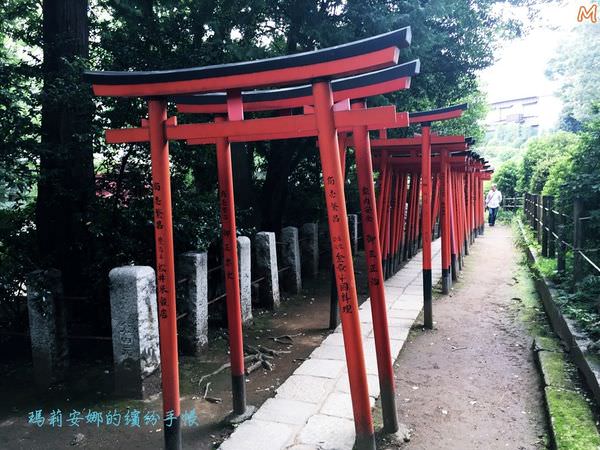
point(492, 202)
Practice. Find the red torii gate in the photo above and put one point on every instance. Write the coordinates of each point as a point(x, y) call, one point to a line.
point(355, 89)
point(314, 67)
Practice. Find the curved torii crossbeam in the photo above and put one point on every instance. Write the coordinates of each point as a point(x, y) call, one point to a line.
point(334, 62)
point(354, 58)
point(360, 86)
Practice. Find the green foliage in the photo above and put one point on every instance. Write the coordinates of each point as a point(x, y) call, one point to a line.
point(19, 106)
point(499, 154)
point(17, 257)
point(558, 176)
point(575, 67)
point(541, 154)
point(507, 178)
point(469, 124)
point(546, 267)
point(583, 304)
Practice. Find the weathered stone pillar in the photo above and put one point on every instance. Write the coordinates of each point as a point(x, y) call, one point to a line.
point(353, 226)
point(245, 269)
point(290, 256)
point(134, 318)
point(47, 327)
point(266, 268)
point(192, 300)
point(309, 248)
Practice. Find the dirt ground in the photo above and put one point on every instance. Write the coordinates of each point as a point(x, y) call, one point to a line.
point(305, 317)
point(472, 383)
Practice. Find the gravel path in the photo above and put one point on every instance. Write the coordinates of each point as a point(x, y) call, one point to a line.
point(472, 383)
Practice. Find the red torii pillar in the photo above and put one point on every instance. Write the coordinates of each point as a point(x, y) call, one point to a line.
point(426, 223)
point(235, 112)
point(370, 229)
point(165, 268)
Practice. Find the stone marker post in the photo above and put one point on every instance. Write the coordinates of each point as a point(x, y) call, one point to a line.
point(245, 269)
point(309, 248)
point(290, 258)
point(192, 300)
point(134, 320)
point(266, 267)
point(47, 327)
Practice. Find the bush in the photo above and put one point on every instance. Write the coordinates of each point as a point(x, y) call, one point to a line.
point(507, 178)
point(541, 154)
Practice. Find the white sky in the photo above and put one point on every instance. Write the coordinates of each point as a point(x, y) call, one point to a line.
point(520, 66)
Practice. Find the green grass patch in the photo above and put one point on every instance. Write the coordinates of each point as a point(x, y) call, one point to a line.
point(572, 420)
point(554, 367)
point(545, 266)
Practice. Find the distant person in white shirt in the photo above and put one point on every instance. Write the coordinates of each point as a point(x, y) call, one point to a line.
point(492, 201)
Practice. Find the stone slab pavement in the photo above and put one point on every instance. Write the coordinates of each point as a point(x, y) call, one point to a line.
point(312, 409)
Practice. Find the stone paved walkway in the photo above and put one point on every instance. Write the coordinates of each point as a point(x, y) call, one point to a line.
point(312, 409)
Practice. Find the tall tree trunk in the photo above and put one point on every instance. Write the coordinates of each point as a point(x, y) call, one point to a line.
point(275, 187)
point(66, 182)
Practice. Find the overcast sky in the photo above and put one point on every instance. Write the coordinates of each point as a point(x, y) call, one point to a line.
point(519, 70)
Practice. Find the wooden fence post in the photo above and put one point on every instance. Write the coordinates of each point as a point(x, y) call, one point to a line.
point(544, 226)
point(577, 240)
point(540, 216)
point(534, 210)
point(551, 218)
point(562, 247)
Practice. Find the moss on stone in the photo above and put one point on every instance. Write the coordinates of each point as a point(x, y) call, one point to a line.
point(547, 343)
point(554, 368)
point(572, 420)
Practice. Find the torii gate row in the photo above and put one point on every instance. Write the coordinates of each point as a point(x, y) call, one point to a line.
point(464, 192)
point(395, 251)
point(460, 161)
point(317, 68)
point(453, 228)
point(397, 247)
point(424, 188)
